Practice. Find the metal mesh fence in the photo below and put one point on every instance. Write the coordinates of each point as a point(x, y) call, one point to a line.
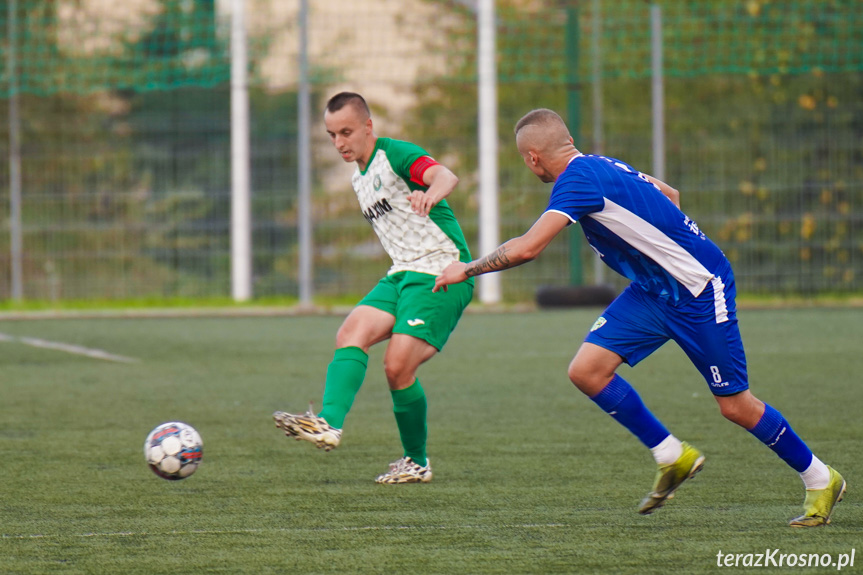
point(126, 133)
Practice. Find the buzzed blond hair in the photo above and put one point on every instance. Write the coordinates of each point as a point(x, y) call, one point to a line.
point(539, 117)
point(551, 129)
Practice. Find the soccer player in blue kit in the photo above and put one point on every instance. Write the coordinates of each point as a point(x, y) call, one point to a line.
point(682, 289)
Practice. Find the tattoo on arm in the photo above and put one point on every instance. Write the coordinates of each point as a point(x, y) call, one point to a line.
point(498, 260)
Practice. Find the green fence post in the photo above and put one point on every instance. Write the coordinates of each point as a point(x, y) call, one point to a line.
point(573, 92)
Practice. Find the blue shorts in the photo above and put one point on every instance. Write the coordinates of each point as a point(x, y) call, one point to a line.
point(637, 323)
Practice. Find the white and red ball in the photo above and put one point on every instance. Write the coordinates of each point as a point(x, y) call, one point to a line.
point(173, 450)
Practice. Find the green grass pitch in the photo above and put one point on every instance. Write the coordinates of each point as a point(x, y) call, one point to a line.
point(530, 476)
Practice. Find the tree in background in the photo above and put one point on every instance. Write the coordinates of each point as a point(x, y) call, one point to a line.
point(762, 104)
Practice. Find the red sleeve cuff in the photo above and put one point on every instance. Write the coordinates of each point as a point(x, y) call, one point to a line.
point(419, 167)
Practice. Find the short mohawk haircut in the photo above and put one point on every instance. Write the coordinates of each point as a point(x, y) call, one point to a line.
point(343, 99)
point(539, 117)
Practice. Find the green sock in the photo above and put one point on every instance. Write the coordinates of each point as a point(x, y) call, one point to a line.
point(345, 376)
point(409, 406)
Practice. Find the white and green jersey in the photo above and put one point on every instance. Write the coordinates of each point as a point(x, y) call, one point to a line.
point(415, 243)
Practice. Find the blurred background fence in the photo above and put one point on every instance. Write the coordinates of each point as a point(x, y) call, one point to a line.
point(125, 133)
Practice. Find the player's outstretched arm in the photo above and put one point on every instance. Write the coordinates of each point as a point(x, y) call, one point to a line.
point(441, 182)
point(512, 253)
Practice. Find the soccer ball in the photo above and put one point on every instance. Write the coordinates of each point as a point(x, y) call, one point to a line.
point(173, 450)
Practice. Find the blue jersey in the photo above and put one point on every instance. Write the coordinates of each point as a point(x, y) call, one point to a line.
point(636, 230)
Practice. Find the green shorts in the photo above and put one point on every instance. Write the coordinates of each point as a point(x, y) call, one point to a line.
point(419, 312)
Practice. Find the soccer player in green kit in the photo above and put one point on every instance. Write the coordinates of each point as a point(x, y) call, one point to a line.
point(402, 193)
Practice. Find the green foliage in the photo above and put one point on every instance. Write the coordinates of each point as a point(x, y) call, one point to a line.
point(74, 48)
point(125, 119)
point(762, 108)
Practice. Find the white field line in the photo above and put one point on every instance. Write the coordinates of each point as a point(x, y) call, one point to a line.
point(67, 347)
point(292, 530)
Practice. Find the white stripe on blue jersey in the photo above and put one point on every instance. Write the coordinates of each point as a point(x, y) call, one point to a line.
point(653, 243)
point(720, 306)
point(636, 230)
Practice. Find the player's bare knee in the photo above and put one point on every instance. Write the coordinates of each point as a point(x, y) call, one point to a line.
point(346, 335)
point(584, 379)
point(743, 409)
point(730, 411)
point(399, 373)
point(351, 335)
point(575, 374)
point(342, 337)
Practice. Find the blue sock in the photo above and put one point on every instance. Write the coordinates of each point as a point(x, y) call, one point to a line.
point(622, 402)
point(774, 432)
